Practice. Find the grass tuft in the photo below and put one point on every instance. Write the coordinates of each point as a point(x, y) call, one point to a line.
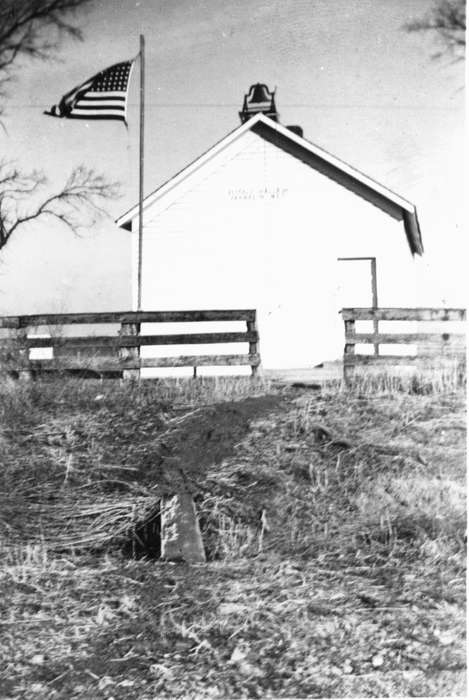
point(334, 523)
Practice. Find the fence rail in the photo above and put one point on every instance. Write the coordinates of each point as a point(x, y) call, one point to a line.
point(403, 314)
point(127, 317)
point(429, 345)
point(120, 353)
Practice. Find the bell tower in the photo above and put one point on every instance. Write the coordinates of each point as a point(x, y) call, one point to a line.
point(259, 99)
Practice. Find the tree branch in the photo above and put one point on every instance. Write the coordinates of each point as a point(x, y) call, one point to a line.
point(78, 205)
point(33, 29)
point(447, 19)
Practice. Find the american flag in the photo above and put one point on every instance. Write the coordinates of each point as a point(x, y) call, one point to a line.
point(104, 96)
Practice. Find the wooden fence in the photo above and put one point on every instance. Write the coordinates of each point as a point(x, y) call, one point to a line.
point(118, 352)
point(429, 345)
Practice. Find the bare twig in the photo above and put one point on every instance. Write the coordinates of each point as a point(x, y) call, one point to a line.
point(33, 29)
point(24, 199)
point(447, 19)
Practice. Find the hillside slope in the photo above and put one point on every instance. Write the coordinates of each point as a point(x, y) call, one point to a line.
point(334, 524)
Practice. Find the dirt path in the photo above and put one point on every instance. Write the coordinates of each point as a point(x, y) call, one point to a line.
point(336, 528)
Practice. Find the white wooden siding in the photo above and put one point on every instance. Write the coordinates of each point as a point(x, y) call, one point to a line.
point(257, 228)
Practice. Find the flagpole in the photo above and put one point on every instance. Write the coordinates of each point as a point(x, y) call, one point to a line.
point(141, 173)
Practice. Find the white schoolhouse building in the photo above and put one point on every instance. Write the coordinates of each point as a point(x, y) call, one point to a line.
point(264, 220)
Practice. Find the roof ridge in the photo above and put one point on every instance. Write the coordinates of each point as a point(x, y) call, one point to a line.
point(408, 209)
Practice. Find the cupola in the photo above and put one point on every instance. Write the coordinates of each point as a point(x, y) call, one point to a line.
point(259, 99)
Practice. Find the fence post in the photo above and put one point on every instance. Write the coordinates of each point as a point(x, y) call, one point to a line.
point(374, 292)
point(349, 350)
point(24, 370)
point(254, 345)
point(130, 352)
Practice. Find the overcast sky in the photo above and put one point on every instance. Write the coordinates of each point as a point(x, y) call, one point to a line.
point(360, 86)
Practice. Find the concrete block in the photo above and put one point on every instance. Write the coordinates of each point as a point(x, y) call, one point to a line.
point(181, 539)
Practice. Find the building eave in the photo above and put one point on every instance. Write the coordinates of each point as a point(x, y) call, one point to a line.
point(188, 170)
point(317, 157)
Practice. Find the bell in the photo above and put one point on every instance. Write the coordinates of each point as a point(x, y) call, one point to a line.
point(259, 93)
point(259, 99)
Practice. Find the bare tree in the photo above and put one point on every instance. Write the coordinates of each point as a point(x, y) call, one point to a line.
point(446, 19)
point(33, 29)
point(24, 199)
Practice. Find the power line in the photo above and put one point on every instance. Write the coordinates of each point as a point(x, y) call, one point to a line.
point(226, 105)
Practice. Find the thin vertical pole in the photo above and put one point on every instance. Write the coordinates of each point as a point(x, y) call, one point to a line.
point(374, 295)
point(374, 292)
point(141, 172)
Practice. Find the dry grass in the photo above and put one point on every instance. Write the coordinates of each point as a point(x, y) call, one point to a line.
point(335, 529)
point(446, 375)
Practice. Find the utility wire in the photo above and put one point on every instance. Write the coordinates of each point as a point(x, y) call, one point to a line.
point(185, 105)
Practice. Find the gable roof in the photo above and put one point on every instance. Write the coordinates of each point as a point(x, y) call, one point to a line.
point(314, 156)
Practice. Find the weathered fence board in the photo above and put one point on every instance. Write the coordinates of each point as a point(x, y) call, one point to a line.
point(429, 345)
point(353, 360)
point(127, 317)
point(136, 340)
point(402, 338)
point(112, 364)
point(252, 359)
point(403, 314)
point(121, 352)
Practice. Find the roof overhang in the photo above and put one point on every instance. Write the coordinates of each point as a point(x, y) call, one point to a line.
point(314, 156)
